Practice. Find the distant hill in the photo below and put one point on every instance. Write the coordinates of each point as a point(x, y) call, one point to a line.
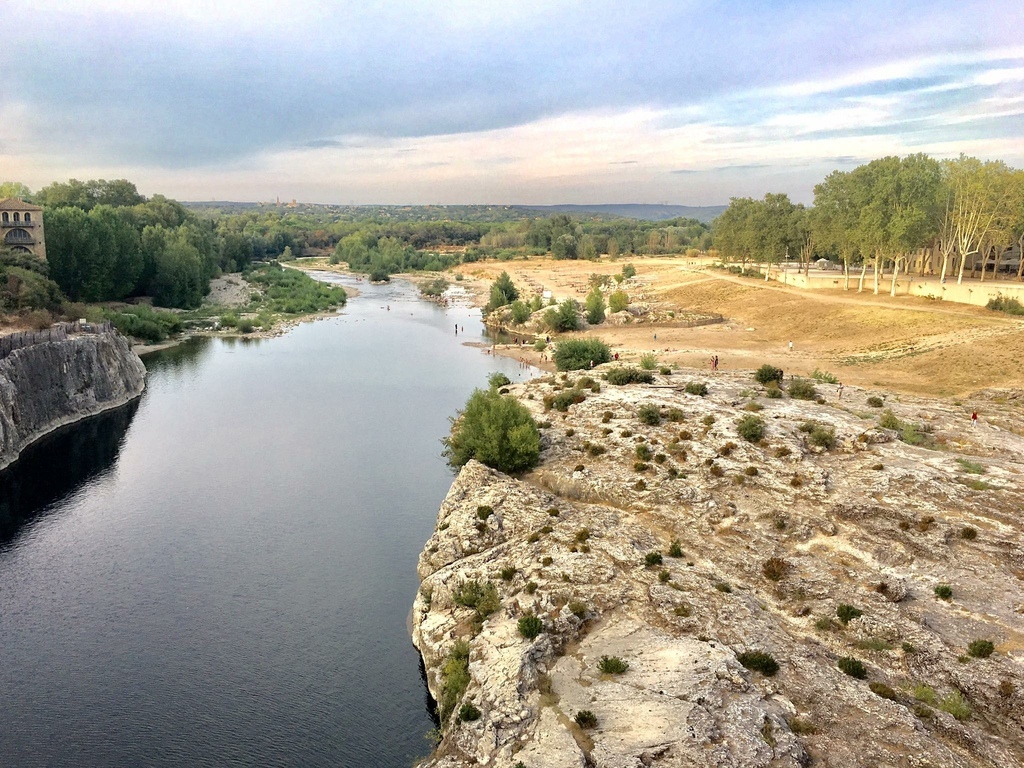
point(703, 213)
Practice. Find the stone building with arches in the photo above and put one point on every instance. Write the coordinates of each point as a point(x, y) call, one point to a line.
point(21, 227)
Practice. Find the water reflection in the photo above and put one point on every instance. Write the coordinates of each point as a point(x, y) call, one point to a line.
point(57, 466)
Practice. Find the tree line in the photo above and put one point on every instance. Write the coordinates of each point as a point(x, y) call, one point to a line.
point(880, 214)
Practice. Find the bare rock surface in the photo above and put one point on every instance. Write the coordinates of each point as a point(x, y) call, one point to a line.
point(829, 509)
point(46, 386)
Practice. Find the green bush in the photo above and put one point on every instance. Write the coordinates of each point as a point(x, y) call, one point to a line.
point(622, 376)
point(883, 690)
point(468, 713)
point(823, 437)
point(595, 307)
point(648, 361)
point(482, 598)
point(944, 591)
point(954, 703)
point(968, 533)
point(853, 667)
point(498, 380)
point(565, 398)
point(563, 318)
point(496, 430)
point(520, 312)
point(586, 719)
point(824, 377)
point(759, 661)
point(580, 354)
point(772, 391)
point(618, 301)
point(875, 402)
point(652, 559)
point(768, 373)
point(751, 428)
point(848, 613)
point(144, 322)
point(649, 414)
point(642, 452)
point(503, 292)
point(675, 549)
point(508, 573)
point(530, 626)
point(980, 649)
point(888, 420)
point(1003, 304)
point(612, 665)
point(455, 677)
point(698, 388)
point(802, 389)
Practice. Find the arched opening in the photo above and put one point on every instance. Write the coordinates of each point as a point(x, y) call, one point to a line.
point(18, 235)
point(28, 217)
point(6, 217)
point(20, 249)
point(16, 216)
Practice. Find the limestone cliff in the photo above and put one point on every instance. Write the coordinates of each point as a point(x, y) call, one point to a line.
point(827, 509)
point(48, 385)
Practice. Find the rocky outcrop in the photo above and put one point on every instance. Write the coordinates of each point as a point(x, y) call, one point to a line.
point(759, 543)
point(45, 386)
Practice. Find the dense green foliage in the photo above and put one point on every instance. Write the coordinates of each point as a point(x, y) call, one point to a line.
point(144, 322)
point(503, 292)
point(751, 428)
point(580, 354)
point(292, 292)
point(595, 307)
point(496, 430)
point(759, 661)
point(455, 678)
point(623, 375)
point(768, 373)
point(25, 283)
point(853, 667)
point(563, 318)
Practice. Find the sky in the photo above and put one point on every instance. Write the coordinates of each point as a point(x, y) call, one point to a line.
point(517, 102)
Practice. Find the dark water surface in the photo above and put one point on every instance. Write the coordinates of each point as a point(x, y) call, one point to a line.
point(221, 573)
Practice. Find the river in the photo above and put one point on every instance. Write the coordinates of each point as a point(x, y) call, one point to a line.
point(221, 573)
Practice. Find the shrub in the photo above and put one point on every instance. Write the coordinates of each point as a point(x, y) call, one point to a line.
point(648, 361)
point(468, 713)
point(698, 388)
point(565, 398)
point(768, 373)
point(578, 608)
point(802, 389)
point(579, 354)
point(751, 428)
point(853, 667)
point(751, 472)
point(664, 576)
point(640, 466)
point(774, 568)
point(956, 705)
point(727, 448)
point(875, 402)
point(716, 471)
point(482, 598)
point(675, 549)
point(772, 391)
point(968, 533)
point(530, 626)
point(531, 587)
point(509, 573)
point(497, 380)
point(639, 485)
point(652, 558)
point(622, 376)
point(724, 586)
point(753, 406)
point(455, 676)
point(943, 591)
point(759, 661)
point(582, 535)
point(563, 318)
point(980, 649)
point(496, 430)
point(883, 690)
point(823, 437)
point(665, 370)
point(643, 452)
point(586, 719)
point(593, 449)
point(503, 292)
point(628, 271)
point(888, 420)
point(1005, 304)
point(618, 301)
point(675, 415)
point(612, 665)
point(824, 377)
point(649, 415)
point(520, 312)
point(847, 613)
point(971, 467)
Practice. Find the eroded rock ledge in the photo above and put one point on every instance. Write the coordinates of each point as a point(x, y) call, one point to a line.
point(47, 385)
point(874, 523)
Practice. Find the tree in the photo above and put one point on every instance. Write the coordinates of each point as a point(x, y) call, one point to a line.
point(618, 301)
point(503, 292)
point(595, 306)
point(14, 189)
point(834, 221)
point(563, 318)
point(496, 430)
point(580, 354)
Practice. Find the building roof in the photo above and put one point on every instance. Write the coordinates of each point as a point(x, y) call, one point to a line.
point(17, 204)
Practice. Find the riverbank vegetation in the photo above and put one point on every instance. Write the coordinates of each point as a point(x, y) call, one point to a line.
point(496, 430)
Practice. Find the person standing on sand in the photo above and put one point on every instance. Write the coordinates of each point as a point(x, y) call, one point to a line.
point(791, 346)
point(716, 362)
point(974, 419)
point(839, 391)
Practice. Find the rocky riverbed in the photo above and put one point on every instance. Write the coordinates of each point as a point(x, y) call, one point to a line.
point(692, 556)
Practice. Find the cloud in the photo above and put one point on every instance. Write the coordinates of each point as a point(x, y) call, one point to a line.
point(546, 92)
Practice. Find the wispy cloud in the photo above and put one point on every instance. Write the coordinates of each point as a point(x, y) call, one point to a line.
point(537, 101)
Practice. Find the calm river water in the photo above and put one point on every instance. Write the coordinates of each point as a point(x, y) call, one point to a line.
point(221, 574)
